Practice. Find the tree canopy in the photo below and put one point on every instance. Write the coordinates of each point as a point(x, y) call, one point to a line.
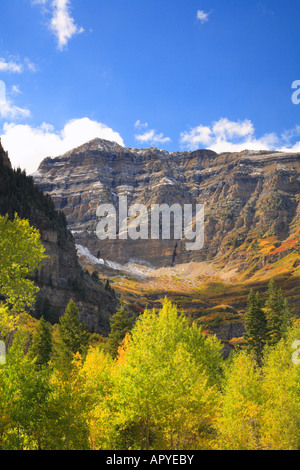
point(21, 252)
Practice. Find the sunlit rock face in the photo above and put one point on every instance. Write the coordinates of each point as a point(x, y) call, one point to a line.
point(60, 277)
point(247, 196)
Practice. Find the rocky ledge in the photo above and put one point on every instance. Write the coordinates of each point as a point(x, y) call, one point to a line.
point(246, 195)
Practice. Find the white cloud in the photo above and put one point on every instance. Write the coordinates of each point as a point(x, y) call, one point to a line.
point(7, 108)
point(15, 90)
point(228, 136)
point(13, 66)
point(294, 148)
point(288, 138)
point(202, 16)
point(62, 24)
point(200, 135)
point(291, 134)
point(10, 66)
point(30, 66)
point(149, 136)
point(140, 125)
point(39, 2)
point(2, 91)
point(28, 146)
point(231, 129)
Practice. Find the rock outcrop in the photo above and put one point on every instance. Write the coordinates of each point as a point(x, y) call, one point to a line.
point(247, 196)
point(4, 159)
point(60, 277)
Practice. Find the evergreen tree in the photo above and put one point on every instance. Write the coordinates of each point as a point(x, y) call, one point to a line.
point(72, 336)
point(256, 326)
point(41, 348)
point(120, 324)
point(277, 313)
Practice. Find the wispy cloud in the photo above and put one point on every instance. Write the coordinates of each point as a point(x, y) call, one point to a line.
point(141, 125)
point(29, 66)
point(15, 90)
point(62, 24)
point(8, 110)
point(10, 66)
point(14, 66)
point(150, 135)
point(202, 16)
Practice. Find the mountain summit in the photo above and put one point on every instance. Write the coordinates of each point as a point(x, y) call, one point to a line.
point(60, 277)
point(251, 200)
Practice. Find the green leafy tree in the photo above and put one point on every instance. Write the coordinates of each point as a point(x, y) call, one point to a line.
point(98, 373)
point(69, 407)
point(277, 313)
point(24, 400)
point(72, 337)
point(164, 392)
point(238, 422)
point(42, 343)
point(120, 324)
point(21, 253)
point(280, 393)
point(256, 326)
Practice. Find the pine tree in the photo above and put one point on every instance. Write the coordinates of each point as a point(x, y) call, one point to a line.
point(41, 348)
point(256, 326)
point(72, 336)
point(277, 313)
point(120, 324)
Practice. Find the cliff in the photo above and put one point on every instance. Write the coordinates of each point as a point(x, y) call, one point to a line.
point(60, 277)
point(251, 200)
point(4, 160)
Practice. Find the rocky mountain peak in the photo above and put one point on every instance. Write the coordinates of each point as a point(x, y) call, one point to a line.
point(60, 276)
point(247, 195)
point(96, 144)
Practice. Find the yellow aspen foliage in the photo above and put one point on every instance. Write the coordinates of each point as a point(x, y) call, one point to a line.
point(239, 419)
point(164, 395)
point(21, 252)
point(97, 373)
point(280, 422)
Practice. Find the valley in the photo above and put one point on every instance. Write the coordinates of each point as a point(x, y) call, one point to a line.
point(251, 232)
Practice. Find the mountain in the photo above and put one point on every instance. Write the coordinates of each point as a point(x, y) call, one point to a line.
point(4, 159)
point(60, 277)
point(251, 231)
point(251, 201)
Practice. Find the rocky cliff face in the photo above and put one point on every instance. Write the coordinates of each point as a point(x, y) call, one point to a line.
point(4, 159)
point(248, 197)
point(60, 277)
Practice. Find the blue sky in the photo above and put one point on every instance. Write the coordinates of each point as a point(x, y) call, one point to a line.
point(178, 75)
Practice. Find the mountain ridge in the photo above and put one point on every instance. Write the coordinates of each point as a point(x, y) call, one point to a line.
point(247, 196)
point(60, 276)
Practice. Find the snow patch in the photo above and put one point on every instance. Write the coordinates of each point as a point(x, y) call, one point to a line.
point(141, 270)
point(85, 253)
